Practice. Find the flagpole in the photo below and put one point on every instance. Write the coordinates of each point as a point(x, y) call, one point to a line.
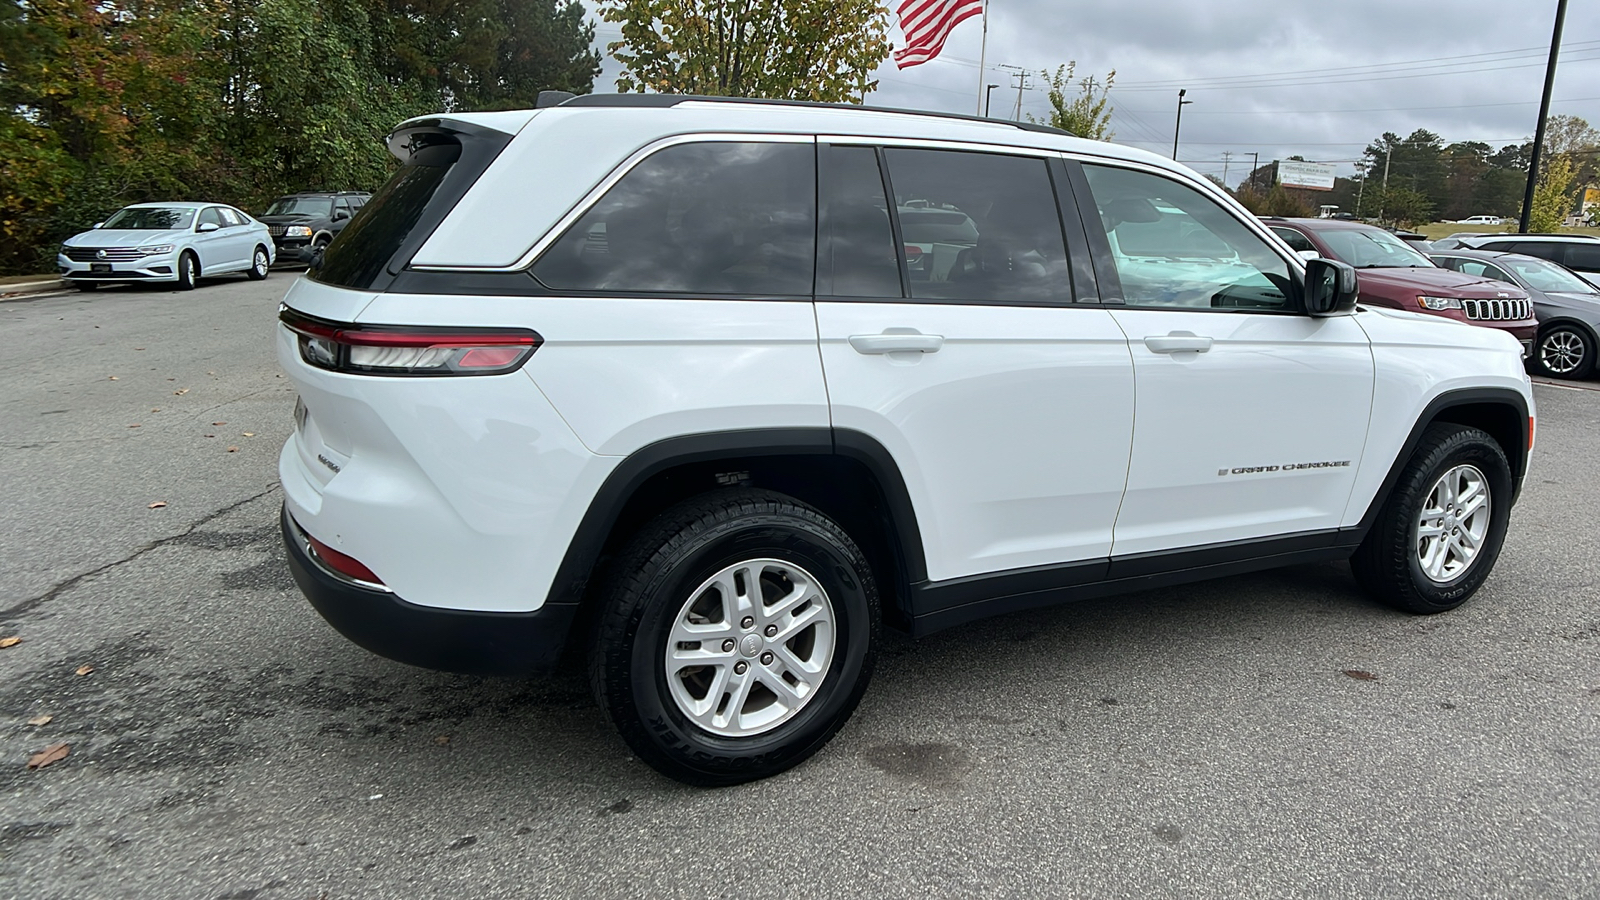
point(982, 53)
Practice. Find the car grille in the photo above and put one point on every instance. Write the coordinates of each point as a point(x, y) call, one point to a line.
point(1497, 310)
point(112, 254)
point(277, 230)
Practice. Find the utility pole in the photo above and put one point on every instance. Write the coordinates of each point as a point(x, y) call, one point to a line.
point(1388, 153)
point(1178, 125)
point(1255, 163)
point(1361, 169)
point(1544, 114)
point(988, 95)
point(1226, 155)
point(1021, 75)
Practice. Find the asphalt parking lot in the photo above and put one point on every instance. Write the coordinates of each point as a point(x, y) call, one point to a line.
point(1273, 735)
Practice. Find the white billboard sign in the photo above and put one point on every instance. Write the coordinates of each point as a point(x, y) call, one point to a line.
point(1305, 175)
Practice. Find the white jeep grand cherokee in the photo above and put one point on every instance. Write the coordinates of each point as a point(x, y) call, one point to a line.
point(667, 381)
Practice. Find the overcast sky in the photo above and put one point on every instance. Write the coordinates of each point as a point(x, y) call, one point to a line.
point(1274, 77)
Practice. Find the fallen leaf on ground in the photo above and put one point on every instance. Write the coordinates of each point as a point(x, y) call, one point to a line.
point(181, 391)
point(442, 739)
point(36, 721)
point(113, 378)
point(10, 641)
point(48, 755)
point(134, 425)
point(1359, 675)
point(157, 505)
point(219, 423)
point(233, 449)
point(84, 670)
point(156, 409)
point(248, 433)
point(138, 348)
point(210, 435)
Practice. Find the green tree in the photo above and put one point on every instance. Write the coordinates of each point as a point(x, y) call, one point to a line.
point(778, 49)
point(1552, 196)
point(1087, 112)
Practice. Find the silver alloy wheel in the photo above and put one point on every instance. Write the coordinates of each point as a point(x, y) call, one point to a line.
point(1453, 523)
point(1561, 352)
point(259, 263)
point(750, 647)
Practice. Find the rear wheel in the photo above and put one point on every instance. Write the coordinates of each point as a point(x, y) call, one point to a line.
point(188, 271)
point(260, 263)
point(737, 639)
point(1564, 351)
point(1439, 533)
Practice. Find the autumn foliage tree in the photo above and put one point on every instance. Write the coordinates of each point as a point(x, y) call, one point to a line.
point(1084, 108)
point(777, 49)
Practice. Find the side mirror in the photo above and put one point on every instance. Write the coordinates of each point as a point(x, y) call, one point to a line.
point(206, 227)
point(99, 224)
point(1330, 288)
point(339, 215)
point(1308, 254)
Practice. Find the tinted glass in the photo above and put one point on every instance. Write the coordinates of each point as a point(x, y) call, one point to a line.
point(154, 218)
point(1527, 248)
point(979, 226)
point(857, 256)
point(1177, 247)
point(1546, 276)
point(363, 248)
point(1583, 257)
point(703, 218)
point(1475, 267)
point(1295, 239)
point(211, 216)
point(300, 206)
point(1373, 249)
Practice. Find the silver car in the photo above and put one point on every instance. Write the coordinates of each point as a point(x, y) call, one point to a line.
point(1568, 307)
point(167, 242)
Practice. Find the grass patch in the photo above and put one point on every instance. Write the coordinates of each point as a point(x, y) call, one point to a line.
point(23, 279)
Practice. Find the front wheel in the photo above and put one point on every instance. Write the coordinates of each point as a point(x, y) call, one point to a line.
point(1438, 535)
point(259, 264)
point(737, 638)
point(1564, 351)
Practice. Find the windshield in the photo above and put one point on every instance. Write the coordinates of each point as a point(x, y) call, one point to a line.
point(151, 218)
point(301, 206)
point(1372, 249)
point(1546, 276)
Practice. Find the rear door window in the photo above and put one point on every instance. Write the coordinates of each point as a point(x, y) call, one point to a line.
point(711, 217)
point(1583, 257)
point(979, 227)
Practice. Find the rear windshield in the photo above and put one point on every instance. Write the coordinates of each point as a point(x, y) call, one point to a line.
point(359, 255)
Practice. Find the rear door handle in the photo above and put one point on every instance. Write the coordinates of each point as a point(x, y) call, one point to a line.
point(1177, 342)
point(897, 343)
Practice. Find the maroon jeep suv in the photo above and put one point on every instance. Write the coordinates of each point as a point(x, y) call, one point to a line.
point(1393, 274)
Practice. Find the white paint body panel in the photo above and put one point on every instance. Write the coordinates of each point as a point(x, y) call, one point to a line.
point(1273, 390)
point(1013, 438)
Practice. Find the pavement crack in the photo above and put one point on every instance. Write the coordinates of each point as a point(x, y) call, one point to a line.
point(28, 606)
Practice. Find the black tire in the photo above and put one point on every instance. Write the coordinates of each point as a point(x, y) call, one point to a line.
point(1386, 565)
point(260, 263)
point(83, 285)
point(1564, 351)
point(188, 271)
point(656, 575)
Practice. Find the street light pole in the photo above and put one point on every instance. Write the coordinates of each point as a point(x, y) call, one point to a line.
point(988, 94)
point(1178, 125)
point(1544, 114)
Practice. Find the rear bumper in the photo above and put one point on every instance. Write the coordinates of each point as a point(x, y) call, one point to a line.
point(475, 643)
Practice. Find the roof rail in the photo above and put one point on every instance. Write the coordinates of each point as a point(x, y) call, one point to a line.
point(662, 101)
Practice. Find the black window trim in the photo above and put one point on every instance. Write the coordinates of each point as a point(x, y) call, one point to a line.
point(1105, 264)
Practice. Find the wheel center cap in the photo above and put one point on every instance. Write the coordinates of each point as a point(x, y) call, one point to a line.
point(750, 645)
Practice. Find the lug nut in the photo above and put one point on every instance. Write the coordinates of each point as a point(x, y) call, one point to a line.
point(740, 667)
point(766, 659)
point(772, 631)
point(727, 646)
point(747, 622)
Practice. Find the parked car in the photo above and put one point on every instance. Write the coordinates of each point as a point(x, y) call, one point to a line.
point(1568, 308)
point(1580, 253)
point(723, 450)
point(1481, 220)
point(177, 242)
point(1398, 276)
point(309, 221)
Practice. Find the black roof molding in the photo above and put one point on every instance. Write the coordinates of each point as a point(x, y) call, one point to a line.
point(663, 101)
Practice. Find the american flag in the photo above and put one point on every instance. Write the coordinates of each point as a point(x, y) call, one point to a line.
point(927, 23)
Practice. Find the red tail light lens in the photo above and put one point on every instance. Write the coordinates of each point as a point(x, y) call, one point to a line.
point(347, 566)
point(913, 251)
point(406, 350)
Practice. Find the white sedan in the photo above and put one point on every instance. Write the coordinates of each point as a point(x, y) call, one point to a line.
point(177, 242)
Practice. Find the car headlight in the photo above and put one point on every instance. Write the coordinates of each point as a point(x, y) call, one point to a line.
point(297, 231)
point(1438, 302)
point(64, 249)
point(153, 251)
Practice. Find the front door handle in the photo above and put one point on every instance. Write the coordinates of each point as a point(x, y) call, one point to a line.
point(1177, 342)
point(891, 342)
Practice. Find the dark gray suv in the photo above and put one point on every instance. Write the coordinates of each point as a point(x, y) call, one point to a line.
point(309, 221)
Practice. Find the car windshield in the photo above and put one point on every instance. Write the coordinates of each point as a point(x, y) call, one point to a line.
point(1372, 249)
point(1546, 276)
point(301, 206)
point(151, 218)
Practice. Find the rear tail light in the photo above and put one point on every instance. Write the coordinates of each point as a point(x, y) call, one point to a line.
point(913, 251)
point(408, 350)
point(347, 566)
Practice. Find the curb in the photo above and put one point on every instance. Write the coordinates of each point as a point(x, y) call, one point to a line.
point(31, 288)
